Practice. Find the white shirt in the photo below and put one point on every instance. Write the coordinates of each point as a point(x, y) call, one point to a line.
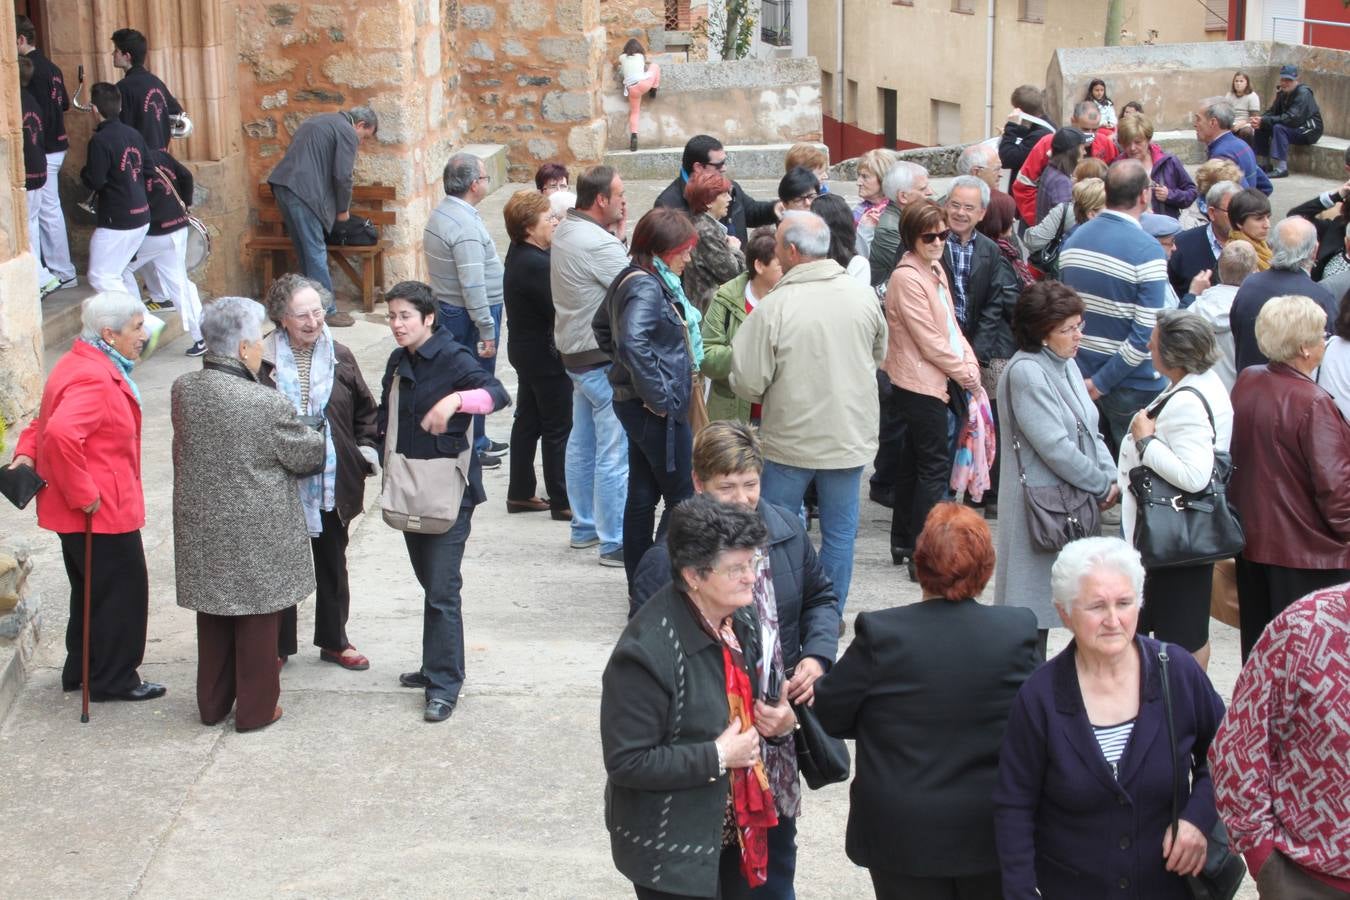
point(1334, 375)
point(860, 269)
point(1214, 306)
point(633, 67)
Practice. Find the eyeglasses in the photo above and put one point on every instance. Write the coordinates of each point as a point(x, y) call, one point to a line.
point(802, 202)
point(740, 570)
point(1067, 330)
point(963, 207)
point(401, 317)
point(931, 236)
point(314, 315)
point(483, 178)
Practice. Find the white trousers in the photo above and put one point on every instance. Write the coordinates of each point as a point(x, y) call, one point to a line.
point(55, 247)
point(35, 239)
point(109, 252)
point(162, 262)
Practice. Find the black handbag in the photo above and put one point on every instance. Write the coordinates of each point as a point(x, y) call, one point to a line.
point(20, 484)
point(821, 759)
point(354, 232)
point(1173, 527)
point(1046, 259)
point(1224, 869)
point(1057, 514)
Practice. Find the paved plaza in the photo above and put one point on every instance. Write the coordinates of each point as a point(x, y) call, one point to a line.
point(351, 794)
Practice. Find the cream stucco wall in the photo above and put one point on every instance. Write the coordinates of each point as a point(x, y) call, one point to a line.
point(927, 52)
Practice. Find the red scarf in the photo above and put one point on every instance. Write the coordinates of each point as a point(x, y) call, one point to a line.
point(752, 800)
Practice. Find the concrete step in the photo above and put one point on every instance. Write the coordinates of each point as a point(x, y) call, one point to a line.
point(1325, 159)
point(662, 163)
point(494, 158)
point(61, 322)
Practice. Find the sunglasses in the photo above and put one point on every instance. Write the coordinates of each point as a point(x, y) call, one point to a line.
point(932, 236)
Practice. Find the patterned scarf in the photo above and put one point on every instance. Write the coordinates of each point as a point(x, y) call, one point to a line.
point(317, 491)
point(751, 799)
point(118, 360)
point(692, 317)
point(780, 760)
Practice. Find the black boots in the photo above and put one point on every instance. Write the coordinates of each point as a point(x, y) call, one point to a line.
point(632, 142)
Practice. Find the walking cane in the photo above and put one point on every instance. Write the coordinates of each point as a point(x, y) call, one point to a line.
point(84, 651)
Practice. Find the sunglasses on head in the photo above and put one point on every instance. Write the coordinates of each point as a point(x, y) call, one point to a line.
point(931, 236)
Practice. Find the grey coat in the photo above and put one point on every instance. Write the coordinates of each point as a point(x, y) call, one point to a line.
point(1046, 394)
point(240, 544)
point(318, 165)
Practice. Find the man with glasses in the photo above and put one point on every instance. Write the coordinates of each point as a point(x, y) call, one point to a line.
point(706, 152)
point(466, 276)
point(1197, 250)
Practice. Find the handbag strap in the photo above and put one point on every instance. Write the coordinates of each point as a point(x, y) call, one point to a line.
point(1214, 431)
point(1171, 735)
point(391, 427)
point(1012, 420)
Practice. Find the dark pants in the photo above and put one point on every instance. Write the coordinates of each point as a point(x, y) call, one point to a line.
point(463, 329)
point(1282, 879)
point(890, 436)
point(1176, 605)
point(236, 661)
point(1117, 410)
point(1274, 141)
point(543, 415)
point(1265, 591)
point(306, 232)
point(782, 868)
point(924, 466)
point(728, 873)
point(332, 599)
point(436, 560)
point(658, 470)
point(894, 886)
point(119, 607)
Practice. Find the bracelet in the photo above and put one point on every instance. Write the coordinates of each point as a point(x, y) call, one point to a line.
point(1143, 445)
point(721, 759)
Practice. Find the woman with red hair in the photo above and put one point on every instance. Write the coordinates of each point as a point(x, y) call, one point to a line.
point(717, 257)
point(925, 690)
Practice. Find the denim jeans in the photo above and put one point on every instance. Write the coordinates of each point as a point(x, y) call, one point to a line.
point(658, 470)
point(1274, 141)
point(782, 867)
point(1117, 410)
point(837, 502)
point(436, 562)
point(457, 321)
point(307, 234)
point(597, 461)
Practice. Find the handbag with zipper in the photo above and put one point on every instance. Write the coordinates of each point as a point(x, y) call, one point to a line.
point(420, 495)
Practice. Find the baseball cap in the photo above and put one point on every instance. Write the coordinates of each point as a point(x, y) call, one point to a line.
point(1288, 72)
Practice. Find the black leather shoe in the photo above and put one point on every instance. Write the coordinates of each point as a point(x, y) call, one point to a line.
point(899, 555)
point(913, 571)
point(146, 690)
point(438, 710)
point(414, 680)
point(1279, 173)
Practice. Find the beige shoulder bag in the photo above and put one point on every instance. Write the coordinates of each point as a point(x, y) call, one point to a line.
point(420, 495)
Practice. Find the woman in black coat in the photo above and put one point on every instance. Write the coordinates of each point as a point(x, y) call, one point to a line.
point(320, 377)
point(544, 392)
point(925, 690)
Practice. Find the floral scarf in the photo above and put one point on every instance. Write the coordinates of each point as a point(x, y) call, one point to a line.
point(780, 759)
point(118, 360)
point(692, 317)
point(317, 492)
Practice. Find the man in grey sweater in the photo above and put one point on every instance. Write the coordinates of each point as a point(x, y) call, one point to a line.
point(584, 261)
point(466, 275)
point(313, 187)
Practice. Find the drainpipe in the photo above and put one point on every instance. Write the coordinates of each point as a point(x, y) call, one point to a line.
point(989, 73)
point(839, 66)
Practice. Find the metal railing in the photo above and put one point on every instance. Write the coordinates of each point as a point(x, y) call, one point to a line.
point(1275, 20)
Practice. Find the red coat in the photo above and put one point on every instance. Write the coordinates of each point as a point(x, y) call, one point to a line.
point(1291, 470)
point(86, 442)
point(1024, 185)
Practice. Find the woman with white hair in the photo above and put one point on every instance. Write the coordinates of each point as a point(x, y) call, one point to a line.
point(1084, 802)
point(241, 547)
point(86, 444)
point(1291, 468)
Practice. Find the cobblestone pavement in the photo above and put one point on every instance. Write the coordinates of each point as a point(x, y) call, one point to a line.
point(352, 793)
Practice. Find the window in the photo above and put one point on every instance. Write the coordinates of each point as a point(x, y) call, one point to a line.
point(1031, 10)
point(851, 102)
point(963, 6)
point(887, 114)
point(902, 2)
point(1214, 18)
point(775, 22)
point(946, 123)
point(677, 15)
point(827, 93)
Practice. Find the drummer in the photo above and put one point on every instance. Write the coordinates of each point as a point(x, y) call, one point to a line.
point(147, 104)
point(115, 169)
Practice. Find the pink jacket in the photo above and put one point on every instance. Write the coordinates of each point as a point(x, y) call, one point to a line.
point(919, 354)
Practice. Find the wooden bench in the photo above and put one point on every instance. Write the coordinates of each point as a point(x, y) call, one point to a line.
point(368, 202)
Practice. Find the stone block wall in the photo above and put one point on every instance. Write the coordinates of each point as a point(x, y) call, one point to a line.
point(300, 58)
point(531, 74)
point(624, 19)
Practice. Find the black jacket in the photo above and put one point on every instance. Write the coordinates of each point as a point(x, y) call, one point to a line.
point(435, 370)
point(1259, 288)
point(925, 690)
point(49, 87)
point(147, 105)
point(1296, 109)
point(1016, 143)
point(34, 156)
point(991, 294)
point(808, 608)
point(528, 296)
point(351, 414)
point(1191, 254)
point(115, 167)
point(743, 214)
point(640, 330)
point(167, 215)
point(662, 706)
point(1330, 232)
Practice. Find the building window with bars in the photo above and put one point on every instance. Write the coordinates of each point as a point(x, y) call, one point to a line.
point(1031, 10)
point(677, 15)
point(1214, 16)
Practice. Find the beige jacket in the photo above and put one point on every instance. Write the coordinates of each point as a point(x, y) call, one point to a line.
point(809, 354)
point(920, 357)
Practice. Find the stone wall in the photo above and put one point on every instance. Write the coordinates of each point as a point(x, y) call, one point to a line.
point(531, 74)
point(624, 19)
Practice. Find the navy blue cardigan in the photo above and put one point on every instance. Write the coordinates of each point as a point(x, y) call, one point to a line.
point(1063, 824)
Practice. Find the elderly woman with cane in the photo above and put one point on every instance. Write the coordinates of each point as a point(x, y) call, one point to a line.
point(86, 443)
point(239, 533)
point(321, 378)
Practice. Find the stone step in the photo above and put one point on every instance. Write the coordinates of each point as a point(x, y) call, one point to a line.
point(61, 322)
point(494, 158)
point(1325, 159)
point(662, 163)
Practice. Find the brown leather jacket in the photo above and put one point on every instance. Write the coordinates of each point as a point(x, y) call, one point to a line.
point(1291, 475)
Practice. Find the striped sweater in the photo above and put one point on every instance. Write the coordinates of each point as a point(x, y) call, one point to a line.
point(1121, 274)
